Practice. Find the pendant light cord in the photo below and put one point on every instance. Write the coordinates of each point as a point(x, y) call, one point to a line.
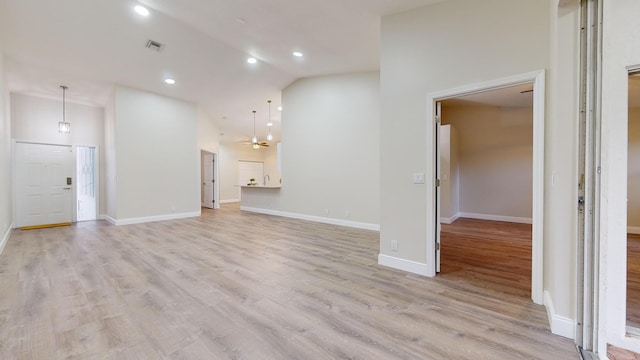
point(64, 109)
point(254, 124)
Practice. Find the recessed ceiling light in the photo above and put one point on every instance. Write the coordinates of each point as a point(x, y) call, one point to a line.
point(279, 108)
point(297, 54)
point(141, 10)
point(170, 81)
point(269, 124)
point(252, 60)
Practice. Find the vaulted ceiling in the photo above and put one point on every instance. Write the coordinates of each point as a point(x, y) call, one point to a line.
point(92, 45)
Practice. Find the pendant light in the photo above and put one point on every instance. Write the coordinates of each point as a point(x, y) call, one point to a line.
point(254, 140)
point(269, 123)
point(64, 126)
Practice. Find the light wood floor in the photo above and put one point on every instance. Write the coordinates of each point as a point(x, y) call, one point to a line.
point(234, 285)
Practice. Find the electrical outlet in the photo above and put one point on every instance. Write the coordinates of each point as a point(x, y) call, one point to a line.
point(394, 245)
point(326, 211)
point(418, 178)
point(347, 213)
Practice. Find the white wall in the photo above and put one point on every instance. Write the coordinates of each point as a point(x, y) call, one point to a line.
point(330, 151)
point(229, 156)
point(633, 163)
point(561, 175)
point(6, 198)
point(424, 51)
point(208, 132)
point(157, 157)
point(621, 51)
point(35, 119)
point(495, 160)
point(110, 156)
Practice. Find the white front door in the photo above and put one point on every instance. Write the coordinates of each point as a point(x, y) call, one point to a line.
point(43, 184)
point(207, 181)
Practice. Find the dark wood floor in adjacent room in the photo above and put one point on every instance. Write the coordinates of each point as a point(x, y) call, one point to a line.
point(236, 285)
point(493, 254)
point(633, 280)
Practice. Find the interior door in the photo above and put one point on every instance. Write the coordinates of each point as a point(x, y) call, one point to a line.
point(44, 176)
point(208, 181)
point(438, 165)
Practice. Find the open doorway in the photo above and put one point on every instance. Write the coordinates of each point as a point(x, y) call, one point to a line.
point(537, 169)
point(486, 179)
point(633, 206)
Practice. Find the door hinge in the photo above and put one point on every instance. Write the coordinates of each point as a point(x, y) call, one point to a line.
point(437, 182)
point(437, 246)
point(438, 119)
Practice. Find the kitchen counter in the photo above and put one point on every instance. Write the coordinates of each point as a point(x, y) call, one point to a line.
point(260, 186)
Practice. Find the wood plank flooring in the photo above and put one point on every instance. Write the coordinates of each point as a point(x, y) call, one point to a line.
point(236, 285)
point(633, 280)
point(493, 254)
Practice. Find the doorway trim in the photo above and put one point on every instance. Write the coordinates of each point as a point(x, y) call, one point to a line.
point(538, 79)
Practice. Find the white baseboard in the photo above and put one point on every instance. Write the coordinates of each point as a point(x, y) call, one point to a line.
point(228, 201)
point(633, 230)
point(5, 238)
point(332, 221)
point(449, 220)
point(147, 219)
point(559, 325)
point(413, 267)
point(102, 217)
point(513, 219)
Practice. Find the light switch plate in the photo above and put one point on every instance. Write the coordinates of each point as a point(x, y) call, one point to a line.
point(418, 178)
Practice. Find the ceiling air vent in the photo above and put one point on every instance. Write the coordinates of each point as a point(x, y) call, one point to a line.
point(154, 45)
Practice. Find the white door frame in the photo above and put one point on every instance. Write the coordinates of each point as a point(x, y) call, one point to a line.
point(538, 79)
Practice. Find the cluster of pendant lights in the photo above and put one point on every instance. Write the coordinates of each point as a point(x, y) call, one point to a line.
point(63, 126)
point(254, 140)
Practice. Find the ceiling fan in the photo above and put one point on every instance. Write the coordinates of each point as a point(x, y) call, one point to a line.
point(259, 143)
point(254, 140)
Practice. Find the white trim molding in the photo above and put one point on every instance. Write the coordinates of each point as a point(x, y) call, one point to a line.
point(513, 219)
point(559, 325)
point(450, 220)
point(325, 220)
point(538, 79)
point(5, 238)
point(146, 219)
point(229, 201)
point(633, 230)
point(413, 267)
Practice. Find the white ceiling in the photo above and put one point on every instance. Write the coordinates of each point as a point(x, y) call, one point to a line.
point(92, 45)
